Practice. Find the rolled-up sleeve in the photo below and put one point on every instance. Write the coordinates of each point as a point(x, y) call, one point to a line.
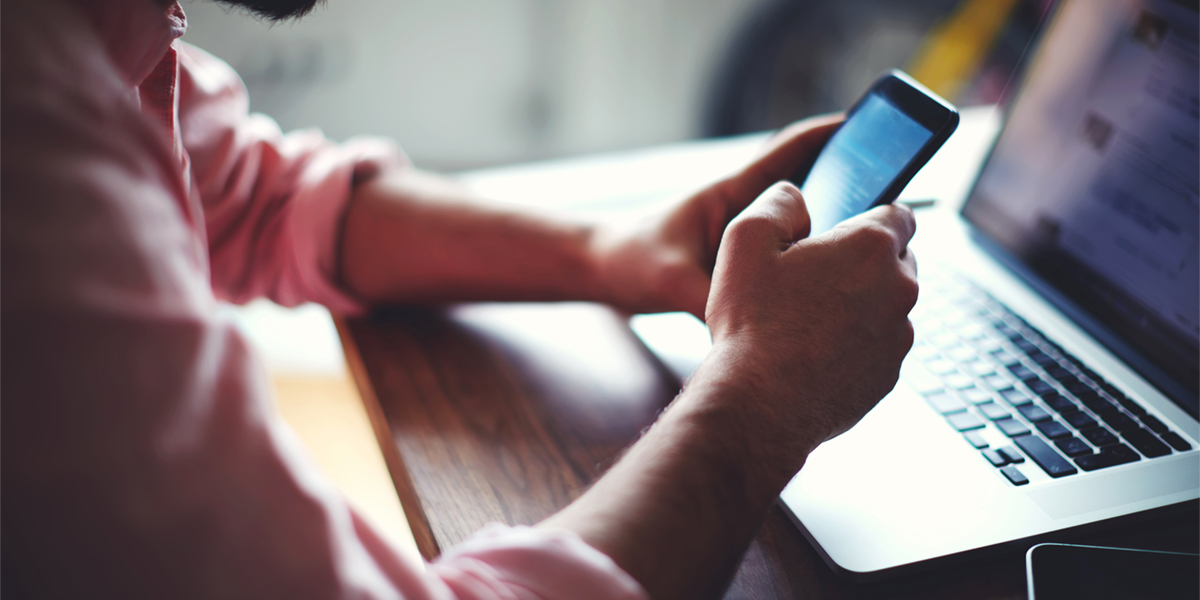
point(526, 563)
point(273, 202)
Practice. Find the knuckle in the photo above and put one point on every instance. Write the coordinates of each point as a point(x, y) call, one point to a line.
point(877, 241)
point(909, 291)
point(750, 226)
point(903, 213)
point(907, 336)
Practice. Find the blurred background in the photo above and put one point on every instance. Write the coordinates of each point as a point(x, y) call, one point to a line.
point(463, 84)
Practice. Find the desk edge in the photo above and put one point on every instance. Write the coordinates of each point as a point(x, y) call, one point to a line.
point(409, 500)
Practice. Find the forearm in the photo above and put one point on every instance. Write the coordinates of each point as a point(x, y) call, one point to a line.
point(412, 237)
point(680, 508)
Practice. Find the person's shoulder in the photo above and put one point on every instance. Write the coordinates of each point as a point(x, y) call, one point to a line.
point(203, 74)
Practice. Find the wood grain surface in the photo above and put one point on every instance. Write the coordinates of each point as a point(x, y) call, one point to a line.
point(507, 412)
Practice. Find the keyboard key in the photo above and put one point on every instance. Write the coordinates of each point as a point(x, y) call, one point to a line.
point(1033, 412)
point(1026, 346)
point(979, 368)
point(1079, 420)
point(975, 439)
point(985, 344)
point(940, 366)
point(958, 381)
point(1146, 443)
point(1099, 436)
point(996, 381)
point(1120, 421)
point(1073, 446)
point(1015, 397)
point(1053, 429)
point(1046, 457)
point(1012, 427)
point(975, 395)
point(943, 339)
point(1097, 404)
point(1130, 404)
point(1176, 441)
point(1059, 372)
point(1042, 359)
point(1013, 455)
point(1060, 404)
point(1154, 424)
point(1039, 386)
point(1014, 476)
point(993, 411)
point(1077, 387)
point(1108, 457)
point(964, 420)
point(1020, 371)
point(994, 457)
point(968, 329)
point(945, 403)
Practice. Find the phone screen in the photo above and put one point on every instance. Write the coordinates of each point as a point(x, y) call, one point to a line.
point(860, 161)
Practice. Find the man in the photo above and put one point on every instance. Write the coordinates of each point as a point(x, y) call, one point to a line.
point(141, 456)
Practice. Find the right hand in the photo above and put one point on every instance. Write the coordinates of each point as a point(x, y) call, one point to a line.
point(808, 334)
point(814, 328)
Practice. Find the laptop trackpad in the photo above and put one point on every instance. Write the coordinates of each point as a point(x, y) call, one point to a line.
point(1101, 491)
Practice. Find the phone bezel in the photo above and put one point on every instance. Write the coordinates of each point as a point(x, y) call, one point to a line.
point(925, 108)
point(916, 102)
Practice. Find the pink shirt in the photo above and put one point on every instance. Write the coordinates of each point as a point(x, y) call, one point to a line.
point(141, 455)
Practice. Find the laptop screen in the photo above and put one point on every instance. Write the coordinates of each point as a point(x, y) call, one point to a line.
point(1092, 185)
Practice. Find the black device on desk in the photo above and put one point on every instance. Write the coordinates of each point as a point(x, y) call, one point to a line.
point(889, 134)
point(1068, 572)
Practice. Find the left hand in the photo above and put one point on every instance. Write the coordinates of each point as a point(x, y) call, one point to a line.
point(665, 263)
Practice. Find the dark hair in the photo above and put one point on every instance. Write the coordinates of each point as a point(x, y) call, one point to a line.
point(275, 10)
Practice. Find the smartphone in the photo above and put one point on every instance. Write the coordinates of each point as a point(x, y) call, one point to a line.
point(1068, 572)
point(888, 135)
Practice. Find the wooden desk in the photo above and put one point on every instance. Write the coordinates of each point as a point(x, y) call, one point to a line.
point(507, 412)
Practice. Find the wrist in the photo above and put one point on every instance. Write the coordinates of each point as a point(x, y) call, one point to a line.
point(750, 416)
point(604, 259)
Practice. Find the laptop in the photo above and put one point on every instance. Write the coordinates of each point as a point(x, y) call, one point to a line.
point(1053, 382)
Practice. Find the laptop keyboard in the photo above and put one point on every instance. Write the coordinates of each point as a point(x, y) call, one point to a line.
point(992, 376)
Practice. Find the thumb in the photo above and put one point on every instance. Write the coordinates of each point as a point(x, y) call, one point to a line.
point(792, 147)
point(772, 222)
